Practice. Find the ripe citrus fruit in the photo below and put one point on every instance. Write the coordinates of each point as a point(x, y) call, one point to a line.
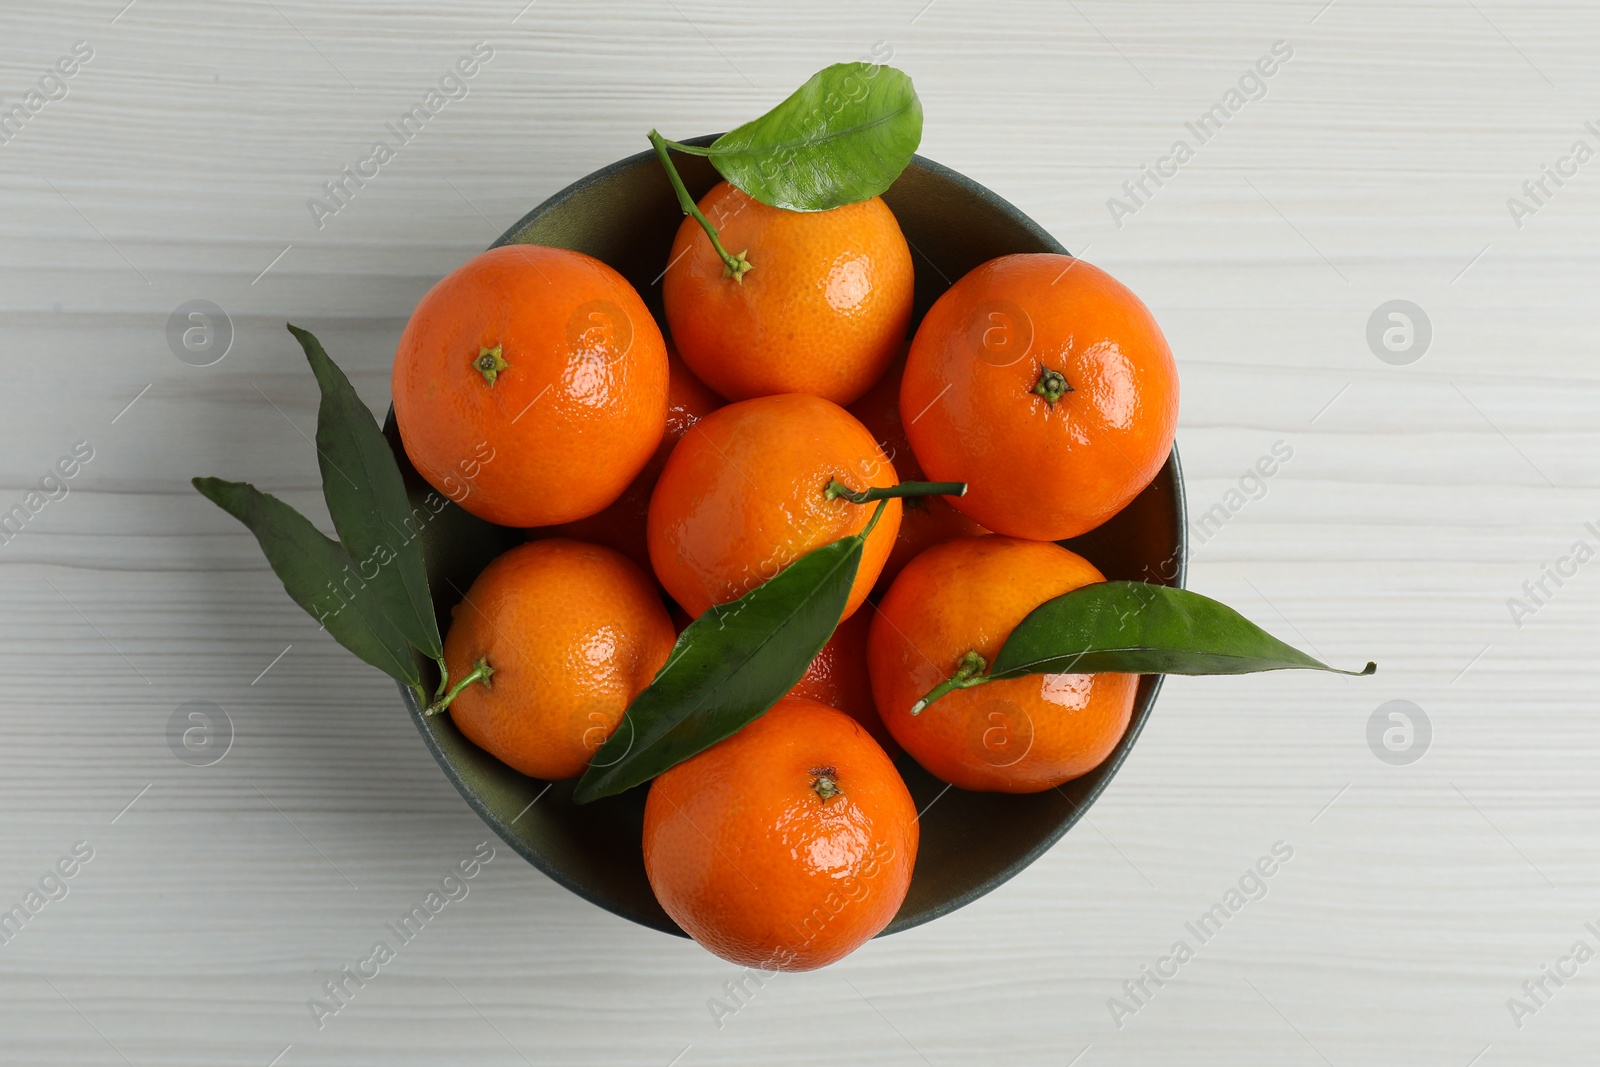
point(743, 495)
point(1020, 735)
point(925, 520)
point(1043, 383)
point(530, 385)
point(622, 524)
point(572, 632)
point(786, 846)
point(838, 678)
point(822, 310)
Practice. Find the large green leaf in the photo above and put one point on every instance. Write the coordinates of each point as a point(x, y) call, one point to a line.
point(318, 574)
point(1140, 628)
point(843, 136)
point(367, 501)
point(731, 665)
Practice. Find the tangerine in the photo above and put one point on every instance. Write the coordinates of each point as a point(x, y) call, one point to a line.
point(838, 678)
point(786, 846)
point(744, 494)
point(823, 309)
point(570, 633)
point(925, 520)
point(1045, 385)
point(623, 523)
point(530, 385)
point(1017, 735)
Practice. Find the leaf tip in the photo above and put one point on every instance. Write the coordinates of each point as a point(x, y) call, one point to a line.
point(1370, 668)
point(208, 487)
point(309, 344)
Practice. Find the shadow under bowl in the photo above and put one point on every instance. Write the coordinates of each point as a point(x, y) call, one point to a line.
point(626, 215)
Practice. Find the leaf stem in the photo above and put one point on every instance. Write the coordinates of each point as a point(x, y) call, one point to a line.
point(481, 672)
point(688, 149)
point(969, 672)
point(733, 266)
point(876, 515)
point(837, 489)
point(444, 679)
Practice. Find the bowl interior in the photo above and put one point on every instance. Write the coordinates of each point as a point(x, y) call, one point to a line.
point(626, 215)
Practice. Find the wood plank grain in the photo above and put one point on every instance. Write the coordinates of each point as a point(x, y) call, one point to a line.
point(1418, 500)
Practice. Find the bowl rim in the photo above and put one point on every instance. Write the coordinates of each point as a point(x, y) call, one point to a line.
point(1144, 703)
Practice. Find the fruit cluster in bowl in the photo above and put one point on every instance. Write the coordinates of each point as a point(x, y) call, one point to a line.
point(737, 573)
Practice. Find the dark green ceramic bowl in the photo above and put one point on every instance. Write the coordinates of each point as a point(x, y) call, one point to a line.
point(625, 214)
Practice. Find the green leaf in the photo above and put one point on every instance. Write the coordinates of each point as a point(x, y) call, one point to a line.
point(318, 574)
point(842, 137)
point(367, 501)
point(1140, 628)
point(731, 665)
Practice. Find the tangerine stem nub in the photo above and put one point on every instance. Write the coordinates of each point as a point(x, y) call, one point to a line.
point(481, 672)
point(732, 266)
point(1052, 385)
point(489, 363)
point(825, 783)
point(735, 267)
point(969, 672)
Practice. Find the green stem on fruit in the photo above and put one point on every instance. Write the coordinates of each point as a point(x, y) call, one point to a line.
point(732, 266)
point(825, 783)
point(838, 490)
point(1052, 385)
point(481, 672)
point(489, 362)
point(969, 672)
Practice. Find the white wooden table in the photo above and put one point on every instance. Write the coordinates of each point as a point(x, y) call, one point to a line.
point(1418, 499)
